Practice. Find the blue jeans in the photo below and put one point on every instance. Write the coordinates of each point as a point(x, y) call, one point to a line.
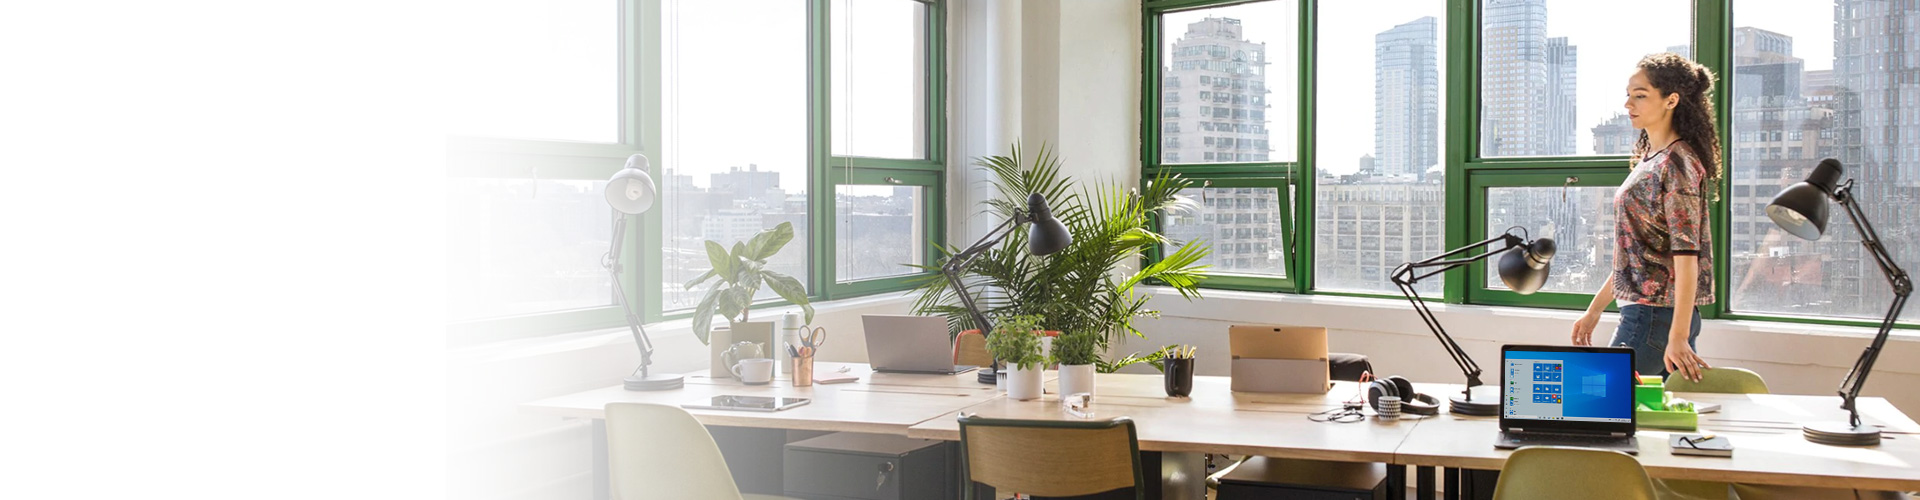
point(1645, 329)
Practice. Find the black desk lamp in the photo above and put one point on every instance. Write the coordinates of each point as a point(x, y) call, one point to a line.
point(1048, 236)
point(1523, 268)
point(630, 192)
point(1801, 209)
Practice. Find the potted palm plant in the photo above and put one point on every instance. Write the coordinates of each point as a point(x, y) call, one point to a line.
point(1016, 342)
point(740, 273)
point(1093, 284)
point(1077, 353)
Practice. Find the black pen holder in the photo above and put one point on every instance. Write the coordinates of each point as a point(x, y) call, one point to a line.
point(1179, 373)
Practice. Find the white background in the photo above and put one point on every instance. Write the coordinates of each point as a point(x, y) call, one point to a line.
point(221, 232)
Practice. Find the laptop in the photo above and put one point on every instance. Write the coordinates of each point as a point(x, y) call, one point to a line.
point(1567, 396)
point(910, 344)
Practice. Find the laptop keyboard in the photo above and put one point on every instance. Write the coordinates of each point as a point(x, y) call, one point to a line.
point(1575, 439)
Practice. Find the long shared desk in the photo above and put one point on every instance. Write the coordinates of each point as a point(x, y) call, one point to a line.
point(1765, 428)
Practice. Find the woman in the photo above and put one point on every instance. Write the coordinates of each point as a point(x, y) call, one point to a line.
point(1662, 252)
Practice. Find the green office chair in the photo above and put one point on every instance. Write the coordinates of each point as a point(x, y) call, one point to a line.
point(1050, 458)
point(659, 451)
point(1721, 380)
point(1569, 473)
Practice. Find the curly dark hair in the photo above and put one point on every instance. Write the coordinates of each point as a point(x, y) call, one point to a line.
point(1693, 117)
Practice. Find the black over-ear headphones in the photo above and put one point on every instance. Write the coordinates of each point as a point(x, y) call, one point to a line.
point(1398, 386)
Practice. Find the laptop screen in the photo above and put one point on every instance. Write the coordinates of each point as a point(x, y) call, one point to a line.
point(1569, 386)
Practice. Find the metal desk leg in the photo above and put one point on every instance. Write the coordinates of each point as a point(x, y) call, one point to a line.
point(1183, 476)
point(602, 476)
point(1396, 482)
point(1423, 483)
point(1452, 478)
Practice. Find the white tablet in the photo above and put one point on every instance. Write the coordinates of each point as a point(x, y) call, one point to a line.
point(747, 403)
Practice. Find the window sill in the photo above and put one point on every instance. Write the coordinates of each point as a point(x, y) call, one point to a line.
point(1728, 340)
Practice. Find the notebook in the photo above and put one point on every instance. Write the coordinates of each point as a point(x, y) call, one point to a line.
point(1712, 446)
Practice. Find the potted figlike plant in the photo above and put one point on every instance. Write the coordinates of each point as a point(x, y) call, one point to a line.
point(1016, 342)
point(740, 273)
point(1077, 353)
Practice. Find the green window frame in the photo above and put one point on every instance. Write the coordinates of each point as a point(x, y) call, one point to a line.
point(641, 102)
point(1468, 174)
point(486, 157)
point(1283, 175)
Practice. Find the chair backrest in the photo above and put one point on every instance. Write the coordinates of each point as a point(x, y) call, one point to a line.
point(659, 451)
point(970, 348)
point(1721, 380)
point(1571, 473)
point(1051, 458)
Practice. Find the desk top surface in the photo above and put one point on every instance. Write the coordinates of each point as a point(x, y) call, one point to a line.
point(1764, 428)
point(1214, 419)
point(885, 403)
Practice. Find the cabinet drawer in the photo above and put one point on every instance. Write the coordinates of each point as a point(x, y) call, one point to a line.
point(816, 474)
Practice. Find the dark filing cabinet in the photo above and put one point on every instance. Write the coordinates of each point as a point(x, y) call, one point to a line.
point(854, 466)
point(1274, 478)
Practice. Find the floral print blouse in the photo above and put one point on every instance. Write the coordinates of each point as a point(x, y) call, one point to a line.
point(1660, 212)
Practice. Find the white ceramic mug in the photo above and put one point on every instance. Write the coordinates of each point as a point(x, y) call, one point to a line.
point(754, 370)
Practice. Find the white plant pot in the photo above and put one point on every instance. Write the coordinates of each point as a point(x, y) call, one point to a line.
point(1024, 385)
point(1076, 379)
point(718, 339)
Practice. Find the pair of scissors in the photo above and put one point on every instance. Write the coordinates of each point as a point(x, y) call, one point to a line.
point(813, 337)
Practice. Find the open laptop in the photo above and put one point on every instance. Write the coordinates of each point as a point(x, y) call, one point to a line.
point(1566, 396)
point(910, 344)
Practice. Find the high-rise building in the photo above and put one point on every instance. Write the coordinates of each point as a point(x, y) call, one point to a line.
point(1528, 83)
point(1562, 105)
point(1242, 224)
point(1616, 136)
point(1367, 229)
point(1214, 96)
point(1406, 98)
point(1875, 132)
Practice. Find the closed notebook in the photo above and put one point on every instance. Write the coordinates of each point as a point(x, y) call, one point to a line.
point(1717, 446)
point(833, 378)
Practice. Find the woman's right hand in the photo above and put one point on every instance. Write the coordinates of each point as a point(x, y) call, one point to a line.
point(1583, 328)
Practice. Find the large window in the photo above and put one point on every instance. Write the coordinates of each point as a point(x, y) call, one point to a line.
point(1552, 71)
point(544, 115)
point(1225, 85)
point(1228, 83)
point(734, 125)
point(1801, 95)
point(826, 114)
point(1379, 200)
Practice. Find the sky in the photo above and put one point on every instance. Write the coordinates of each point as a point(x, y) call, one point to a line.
point(1610, 36)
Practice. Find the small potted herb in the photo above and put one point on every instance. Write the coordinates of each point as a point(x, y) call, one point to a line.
point(1015, 342)
point(1076, 352)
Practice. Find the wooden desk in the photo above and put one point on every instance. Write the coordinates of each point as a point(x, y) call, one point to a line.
point(1765, 429)
point(880, 403)
point(1213, 420)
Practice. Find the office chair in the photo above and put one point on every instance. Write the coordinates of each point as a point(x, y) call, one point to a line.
point(1569, 473)
point(1721, 380)
point(970, 348)
point(1050, 458)
point(659, 451)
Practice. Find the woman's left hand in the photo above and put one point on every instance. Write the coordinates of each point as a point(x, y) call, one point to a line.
point(1681, 360)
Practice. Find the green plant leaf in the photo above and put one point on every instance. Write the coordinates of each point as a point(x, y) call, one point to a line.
point(703, 277)
point(703, 314)
point(731, 303)
point(765, 244)
point(717, 256)
point(792, 290)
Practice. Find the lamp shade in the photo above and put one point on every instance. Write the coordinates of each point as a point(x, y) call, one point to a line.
point(631, 190)
point(1524, 268)
point(1801, 209)
point(1048, 235)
